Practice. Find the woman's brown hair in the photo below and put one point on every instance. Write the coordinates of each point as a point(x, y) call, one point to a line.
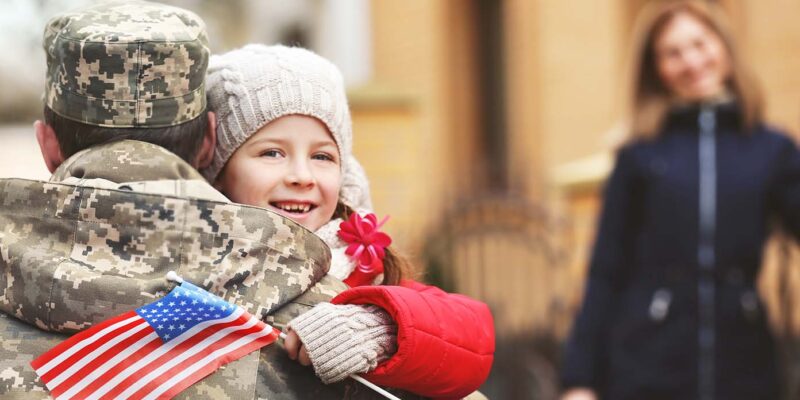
point(395, 266)
point(650, 98)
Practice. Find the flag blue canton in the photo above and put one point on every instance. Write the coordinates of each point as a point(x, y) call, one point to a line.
point(184, 307)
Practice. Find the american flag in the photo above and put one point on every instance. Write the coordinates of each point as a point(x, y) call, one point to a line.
point(155, 351)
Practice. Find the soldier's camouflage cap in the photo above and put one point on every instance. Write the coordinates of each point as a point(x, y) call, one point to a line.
point(124, 65)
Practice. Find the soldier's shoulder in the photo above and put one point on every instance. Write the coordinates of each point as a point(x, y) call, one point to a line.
point(20, 344)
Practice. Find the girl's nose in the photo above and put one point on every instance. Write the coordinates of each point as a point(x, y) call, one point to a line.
point(299, 175)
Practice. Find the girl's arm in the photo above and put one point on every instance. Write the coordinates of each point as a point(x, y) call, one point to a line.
point(444, 342)
point(341, 340)
point(583, 353)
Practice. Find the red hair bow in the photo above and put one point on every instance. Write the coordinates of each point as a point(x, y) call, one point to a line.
point(365, 246)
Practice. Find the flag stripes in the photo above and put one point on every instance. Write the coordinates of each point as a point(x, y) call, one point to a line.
point(55, 356)
point(126, 358)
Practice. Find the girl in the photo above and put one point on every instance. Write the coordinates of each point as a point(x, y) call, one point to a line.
point(284, 143)
point(670, 309)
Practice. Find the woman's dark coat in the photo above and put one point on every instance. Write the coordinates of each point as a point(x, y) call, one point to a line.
point(670, 309)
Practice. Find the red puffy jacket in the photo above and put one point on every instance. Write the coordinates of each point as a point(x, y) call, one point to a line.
point(445, 342)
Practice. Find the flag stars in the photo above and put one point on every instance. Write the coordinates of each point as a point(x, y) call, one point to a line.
point(183, 309)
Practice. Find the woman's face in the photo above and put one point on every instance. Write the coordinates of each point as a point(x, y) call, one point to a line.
point(691, 59)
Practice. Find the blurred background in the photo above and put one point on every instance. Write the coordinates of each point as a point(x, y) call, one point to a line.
point(486, 127)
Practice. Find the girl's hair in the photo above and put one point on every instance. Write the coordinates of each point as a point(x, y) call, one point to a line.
point(650, 97)
point(395, 266)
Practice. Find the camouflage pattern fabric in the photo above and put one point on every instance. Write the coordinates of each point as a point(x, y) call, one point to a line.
point(74, 255)
point(135, 166)
point(126, 64)
point(126, 161)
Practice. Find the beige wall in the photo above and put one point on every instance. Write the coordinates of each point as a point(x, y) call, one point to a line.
point(771, 39)
point(396, 143)
point(413, 143)
point(525, 99)
point(581, 61)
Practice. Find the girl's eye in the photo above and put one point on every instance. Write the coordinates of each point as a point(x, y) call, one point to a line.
point(271, 153)
point(323, 157)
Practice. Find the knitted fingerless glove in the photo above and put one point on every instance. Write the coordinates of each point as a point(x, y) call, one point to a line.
point(342, 340)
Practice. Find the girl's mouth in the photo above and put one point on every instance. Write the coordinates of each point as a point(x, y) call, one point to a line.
point(293, 207)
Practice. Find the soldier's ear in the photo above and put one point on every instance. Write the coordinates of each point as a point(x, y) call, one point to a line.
point(206, 153)
point(48, 144)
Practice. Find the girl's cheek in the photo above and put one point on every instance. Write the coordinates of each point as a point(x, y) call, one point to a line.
point(330, 177)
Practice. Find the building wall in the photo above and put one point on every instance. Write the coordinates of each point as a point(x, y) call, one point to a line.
point(413, 144)
point(771, 37)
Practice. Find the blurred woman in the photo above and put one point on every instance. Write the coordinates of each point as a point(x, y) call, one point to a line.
point(670, 309)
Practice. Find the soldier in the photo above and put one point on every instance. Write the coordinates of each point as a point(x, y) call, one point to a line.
point(125, 127)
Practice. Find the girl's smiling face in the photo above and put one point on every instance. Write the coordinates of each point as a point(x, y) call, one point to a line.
point(290, 166)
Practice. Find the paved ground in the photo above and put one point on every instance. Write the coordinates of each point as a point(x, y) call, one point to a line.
point(19, 153)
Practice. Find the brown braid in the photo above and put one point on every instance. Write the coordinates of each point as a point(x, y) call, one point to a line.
point(395, 266)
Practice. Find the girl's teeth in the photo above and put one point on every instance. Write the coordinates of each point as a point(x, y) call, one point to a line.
point(296, 207)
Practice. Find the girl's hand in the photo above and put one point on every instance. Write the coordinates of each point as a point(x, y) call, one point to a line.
point(579, 394)
point(296, 348)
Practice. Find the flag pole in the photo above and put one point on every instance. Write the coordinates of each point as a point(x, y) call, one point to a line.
point(174, 277)
point(365, 382)
point(375, 387)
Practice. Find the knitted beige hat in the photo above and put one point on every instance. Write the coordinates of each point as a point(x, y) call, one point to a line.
point(250, 87)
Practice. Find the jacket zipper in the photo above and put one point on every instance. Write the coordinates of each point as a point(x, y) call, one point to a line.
point(705, 252)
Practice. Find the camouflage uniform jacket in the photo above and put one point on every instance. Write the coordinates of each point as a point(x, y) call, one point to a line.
point(99, 238)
